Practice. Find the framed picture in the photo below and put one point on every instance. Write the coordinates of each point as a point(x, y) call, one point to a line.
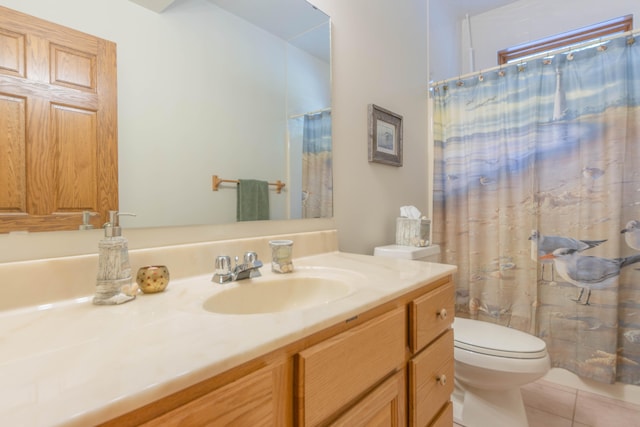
point(385, 136)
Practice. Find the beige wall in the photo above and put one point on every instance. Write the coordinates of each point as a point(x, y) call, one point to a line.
point(380, 57)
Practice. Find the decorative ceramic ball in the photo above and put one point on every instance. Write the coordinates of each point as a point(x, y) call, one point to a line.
point(153, 278)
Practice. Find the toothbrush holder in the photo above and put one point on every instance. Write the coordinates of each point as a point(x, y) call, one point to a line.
point(281, 253)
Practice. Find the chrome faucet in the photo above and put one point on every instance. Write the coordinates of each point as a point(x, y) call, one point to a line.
point(250, 268)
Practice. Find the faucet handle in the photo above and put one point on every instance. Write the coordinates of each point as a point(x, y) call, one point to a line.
point(223, 270)
point(250, 257)
point(223, 264)
point(251, 260)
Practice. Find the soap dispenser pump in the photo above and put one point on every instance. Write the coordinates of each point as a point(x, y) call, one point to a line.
point(114, 281)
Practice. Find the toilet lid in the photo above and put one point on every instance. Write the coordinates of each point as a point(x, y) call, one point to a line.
point(496, 340)
point(406, 252)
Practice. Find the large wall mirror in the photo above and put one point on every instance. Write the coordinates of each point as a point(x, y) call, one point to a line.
point(240, 89)
point(307, 104)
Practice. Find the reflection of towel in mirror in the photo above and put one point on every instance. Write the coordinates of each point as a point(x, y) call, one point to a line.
point(253, 200)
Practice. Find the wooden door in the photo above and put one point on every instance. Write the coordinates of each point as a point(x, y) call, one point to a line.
point(384, 406)
point(256, 400)
point(58, 125)
point(335, 372)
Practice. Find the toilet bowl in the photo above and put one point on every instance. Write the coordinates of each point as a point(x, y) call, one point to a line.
point(491, 363)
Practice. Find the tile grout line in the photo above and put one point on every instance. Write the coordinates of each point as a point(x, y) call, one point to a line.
point(532, 408)
point(575, 408)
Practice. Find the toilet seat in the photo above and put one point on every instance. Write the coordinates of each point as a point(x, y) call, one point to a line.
point(496, 340)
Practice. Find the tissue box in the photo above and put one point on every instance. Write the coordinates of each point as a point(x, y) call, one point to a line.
point(413, 232)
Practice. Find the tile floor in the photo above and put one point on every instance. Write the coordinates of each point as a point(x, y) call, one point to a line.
point(553, 405)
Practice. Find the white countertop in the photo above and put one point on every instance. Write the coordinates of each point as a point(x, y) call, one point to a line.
point(74, 363)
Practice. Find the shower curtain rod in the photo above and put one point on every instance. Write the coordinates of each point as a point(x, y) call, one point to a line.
point(540, 55)
point(322, 110)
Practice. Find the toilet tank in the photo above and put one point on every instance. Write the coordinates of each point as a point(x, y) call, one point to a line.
point(425, 253)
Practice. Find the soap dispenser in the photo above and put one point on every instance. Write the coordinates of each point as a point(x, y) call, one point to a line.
point(114, 283)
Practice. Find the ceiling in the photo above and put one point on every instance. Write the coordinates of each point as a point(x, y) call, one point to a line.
point(472, 7)
point(295, 21)
point(304, 26)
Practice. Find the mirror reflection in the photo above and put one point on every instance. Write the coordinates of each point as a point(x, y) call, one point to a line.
point(239, 89)
point(266, 116)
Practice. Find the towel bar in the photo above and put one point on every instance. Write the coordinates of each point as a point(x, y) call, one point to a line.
point(217, 181)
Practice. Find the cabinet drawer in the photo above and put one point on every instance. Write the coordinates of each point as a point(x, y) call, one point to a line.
point(385, 406)
point(431, 380)
point(430, 315)
point(333, 373)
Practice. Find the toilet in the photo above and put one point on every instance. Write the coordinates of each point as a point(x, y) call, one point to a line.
point(416, 253)
point(491, 361)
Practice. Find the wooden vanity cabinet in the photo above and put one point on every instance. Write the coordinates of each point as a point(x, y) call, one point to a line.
point(390, 366)
point(257, 399)
point(334, 373)
point(430, 368)
point(417, 335)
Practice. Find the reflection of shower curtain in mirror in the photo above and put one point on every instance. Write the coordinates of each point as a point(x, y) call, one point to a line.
point(317, 165)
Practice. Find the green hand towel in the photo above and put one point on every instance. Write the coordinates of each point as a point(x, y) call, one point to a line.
point(253, 200)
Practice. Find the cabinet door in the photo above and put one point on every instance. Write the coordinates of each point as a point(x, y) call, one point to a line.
point(431, 380)
point(444, 418)
point(430, 315)
point(385, 406)
point(58, 125)
point(334, 373)
point(258, 399)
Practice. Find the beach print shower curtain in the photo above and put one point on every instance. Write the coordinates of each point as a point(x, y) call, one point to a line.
point(317, 166)
point(537, 201)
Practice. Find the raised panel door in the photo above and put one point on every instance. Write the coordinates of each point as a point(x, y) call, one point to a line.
point(383, 407)
point(58, 138)
point(338, 371)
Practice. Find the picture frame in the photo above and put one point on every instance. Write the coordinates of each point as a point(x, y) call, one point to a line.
point(385, 136)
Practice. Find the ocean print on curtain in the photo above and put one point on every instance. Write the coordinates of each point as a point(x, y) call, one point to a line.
point(537, 200)
point(317, 166)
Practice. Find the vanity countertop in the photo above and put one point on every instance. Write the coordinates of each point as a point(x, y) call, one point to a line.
point(74, 363)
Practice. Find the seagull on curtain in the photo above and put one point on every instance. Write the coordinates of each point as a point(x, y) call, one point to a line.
point(632, 234)
point(588, 272)
point(543, 245)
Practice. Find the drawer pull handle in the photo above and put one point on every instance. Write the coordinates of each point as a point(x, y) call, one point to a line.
point(442, 314)
point(442, 379)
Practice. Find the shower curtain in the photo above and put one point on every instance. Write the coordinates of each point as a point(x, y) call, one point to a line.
point(537, 201)
point(317, 166)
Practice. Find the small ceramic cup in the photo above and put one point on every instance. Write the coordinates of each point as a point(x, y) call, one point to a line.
point(281, 252)
point(153, 278)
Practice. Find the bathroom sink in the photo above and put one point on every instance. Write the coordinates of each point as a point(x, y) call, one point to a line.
point(277, 294)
